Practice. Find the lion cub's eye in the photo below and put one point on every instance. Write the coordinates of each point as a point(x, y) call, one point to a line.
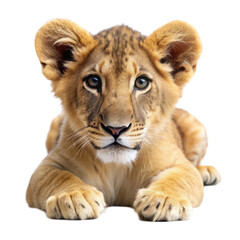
point(93, 81)
point(142, 82)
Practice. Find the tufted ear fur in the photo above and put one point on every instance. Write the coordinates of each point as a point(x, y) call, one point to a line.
point(175, 48)
point(59, 43)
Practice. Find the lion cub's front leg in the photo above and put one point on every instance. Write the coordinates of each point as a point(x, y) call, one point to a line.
point(63, 195)
point(171, 195)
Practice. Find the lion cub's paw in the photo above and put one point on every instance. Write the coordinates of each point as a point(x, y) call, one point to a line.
point(157, 206)
point(76, 205)
point(210, 175)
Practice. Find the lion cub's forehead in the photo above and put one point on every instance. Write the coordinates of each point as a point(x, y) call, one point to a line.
point(119, 43)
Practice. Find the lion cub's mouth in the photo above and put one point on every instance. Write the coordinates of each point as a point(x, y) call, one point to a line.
point(116, 146)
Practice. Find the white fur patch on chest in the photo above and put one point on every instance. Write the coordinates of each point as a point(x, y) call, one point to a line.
point(126, 156)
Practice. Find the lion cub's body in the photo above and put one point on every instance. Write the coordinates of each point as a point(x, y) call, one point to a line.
point(119, 182)
point(120, 140)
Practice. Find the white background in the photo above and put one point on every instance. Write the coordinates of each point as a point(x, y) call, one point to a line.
point(27, 107)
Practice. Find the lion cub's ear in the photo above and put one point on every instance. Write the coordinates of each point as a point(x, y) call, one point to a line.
point(175, 48)
point(59, 43)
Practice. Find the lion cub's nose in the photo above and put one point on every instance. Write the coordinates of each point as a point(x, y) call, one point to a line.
point(115, 131)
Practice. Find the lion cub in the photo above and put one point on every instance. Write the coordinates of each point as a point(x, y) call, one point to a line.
point(120, 140)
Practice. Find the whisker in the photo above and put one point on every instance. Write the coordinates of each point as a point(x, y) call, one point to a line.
point(77, 141)
point(81, 147)
point(77, 136)
point(76, 131)
point(84, 146)
point(82, 138)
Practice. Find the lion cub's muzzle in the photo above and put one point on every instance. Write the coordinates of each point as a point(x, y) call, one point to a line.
point(115, 131)
point(117, 144)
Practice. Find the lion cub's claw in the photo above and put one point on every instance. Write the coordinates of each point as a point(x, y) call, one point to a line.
point(157, 206)
point(76, 205)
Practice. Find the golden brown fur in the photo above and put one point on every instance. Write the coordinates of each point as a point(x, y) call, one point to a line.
point(117, 142)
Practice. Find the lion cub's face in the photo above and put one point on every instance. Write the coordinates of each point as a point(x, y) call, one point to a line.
point(121, 92)
point(116, 88)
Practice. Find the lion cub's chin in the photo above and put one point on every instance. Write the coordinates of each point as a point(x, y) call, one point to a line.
point(119, 156)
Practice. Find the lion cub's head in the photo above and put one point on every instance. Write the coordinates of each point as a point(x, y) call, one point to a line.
point(118, 87)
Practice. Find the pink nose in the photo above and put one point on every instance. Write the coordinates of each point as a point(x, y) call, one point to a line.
point(116, 131)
